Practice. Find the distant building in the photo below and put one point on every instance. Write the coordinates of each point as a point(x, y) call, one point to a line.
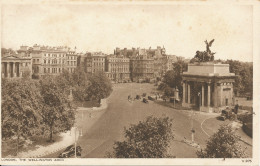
point(117, 68)
point(147, 63)
point(151, 53)
point(17, 65)
point(71, 58)
point(94, 62)
point(141, 66)
point(49, 60)
point(163, 64)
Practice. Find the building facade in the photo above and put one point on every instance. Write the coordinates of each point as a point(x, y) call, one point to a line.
point(142, 67)
point(94, 62)
point(50, 60)
point(71, 58)
point(16, 66)
point(117, 68)
point(208, 86)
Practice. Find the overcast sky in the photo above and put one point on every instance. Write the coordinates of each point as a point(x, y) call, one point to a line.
point(181, 29)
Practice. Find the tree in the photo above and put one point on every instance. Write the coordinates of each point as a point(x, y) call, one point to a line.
point(147, 139)
point(21, 102)
point(162, 86)
point(57, 113)
point(173, 78)
point(244, 77)
point(223, 144)
point(100, 86)
point(168, 91)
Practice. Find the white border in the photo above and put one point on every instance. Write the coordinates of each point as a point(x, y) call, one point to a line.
point(176, 161)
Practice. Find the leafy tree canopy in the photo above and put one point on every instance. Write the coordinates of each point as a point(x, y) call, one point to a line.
point(57, 112)
point(223, 144)
point(147, 139)
point(21, 102)
point(100, 86)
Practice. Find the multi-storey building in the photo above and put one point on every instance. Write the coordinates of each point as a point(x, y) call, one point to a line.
point(141, 66)
point(49, 60)
point(52, 60)
point(117, 68)
point(17, 65)
point(94, 62)
point(145, 63)
point(155, 53)
point(71, 57)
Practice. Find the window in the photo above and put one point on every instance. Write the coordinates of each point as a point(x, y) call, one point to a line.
point(33, 60)
point(44, 62)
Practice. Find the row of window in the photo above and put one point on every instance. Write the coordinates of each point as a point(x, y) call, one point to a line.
point(98, 64)
point(72, 57)
point(36, 60)
point(56, 70)
point(96, 70)
point(99, 59)
point(54, 61)
point(115, 60)
point(53, 70)
point(119, 70)
point(72, 63)
point(54, 55)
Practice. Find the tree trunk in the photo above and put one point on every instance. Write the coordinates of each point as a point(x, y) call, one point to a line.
point(17, 147)
point(51, 140)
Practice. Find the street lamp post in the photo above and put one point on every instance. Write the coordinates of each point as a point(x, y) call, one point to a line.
point(80, 134)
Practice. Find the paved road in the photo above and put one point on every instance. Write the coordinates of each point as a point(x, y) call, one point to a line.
point(98, 138)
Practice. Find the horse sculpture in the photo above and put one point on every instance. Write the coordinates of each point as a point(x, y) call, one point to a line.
point(205, 56)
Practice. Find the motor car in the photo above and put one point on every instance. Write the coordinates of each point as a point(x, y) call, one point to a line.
point(145, 100)
point(151, 98)
point(70, 152)
point(137, 97)
point(222, 118)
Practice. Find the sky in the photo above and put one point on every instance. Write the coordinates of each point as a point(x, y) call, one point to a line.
point(181, 29)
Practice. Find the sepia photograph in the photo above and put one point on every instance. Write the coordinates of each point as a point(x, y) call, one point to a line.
point(108, 81)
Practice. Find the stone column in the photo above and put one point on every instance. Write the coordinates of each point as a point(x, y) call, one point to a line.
point(188, 93)
point(18, 70)
point(209, 94)
point(8, 69)
point(216, 91)
point(3, 70)
point(14, 73)
point(183, 92)
point(202, 95)
point(220, 99)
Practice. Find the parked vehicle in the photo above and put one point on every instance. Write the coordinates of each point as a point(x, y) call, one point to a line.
point(70, 152)
point(226, 114)
point(151, 98)
point(137, 97)
point(145, 100)
point(144, 94)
